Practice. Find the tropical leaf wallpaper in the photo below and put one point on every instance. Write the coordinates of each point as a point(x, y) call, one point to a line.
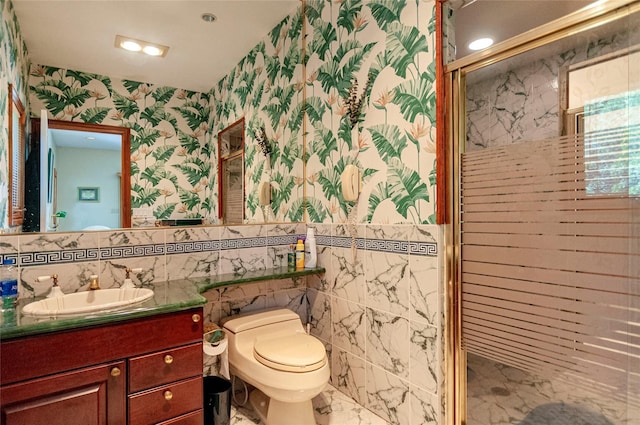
point(390, 43)
point(14, 64)
point(295, 94)
point(266, 88)
point(170, 151)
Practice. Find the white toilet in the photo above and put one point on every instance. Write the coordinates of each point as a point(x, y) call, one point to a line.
point(271, 351)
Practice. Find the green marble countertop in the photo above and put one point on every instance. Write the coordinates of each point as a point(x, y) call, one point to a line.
point(170, 296)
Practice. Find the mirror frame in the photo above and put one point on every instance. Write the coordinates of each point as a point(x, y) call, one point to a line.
point(16, 167)
point(125, 156)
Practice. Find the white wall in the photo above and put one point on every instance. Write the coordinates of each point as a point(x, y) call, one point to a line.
point(88, 168)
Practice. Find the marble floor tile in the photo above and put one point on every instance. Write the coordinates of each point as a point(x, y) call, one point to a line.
point(503, 395)
point(331, 408)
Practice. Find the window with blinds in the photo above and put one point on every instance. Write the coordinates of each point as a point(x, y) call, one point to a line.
point(16, 152)
point(551, 253)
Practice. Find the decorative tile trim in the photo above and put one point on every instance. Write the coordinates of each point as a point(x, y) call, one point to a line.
point(193, 246)
point(429, 249)
point(57, 257)
point(150, 250)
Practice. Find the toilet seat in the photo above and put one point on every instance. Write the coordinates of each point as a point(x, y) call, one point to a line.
point(297, 352)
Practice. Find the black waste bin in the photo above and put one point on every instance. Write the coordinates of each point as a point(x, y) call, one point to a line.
point(217, 400)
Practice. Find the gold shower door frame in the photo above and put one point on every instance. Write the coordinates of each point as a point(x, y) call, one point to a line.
point(597, 14)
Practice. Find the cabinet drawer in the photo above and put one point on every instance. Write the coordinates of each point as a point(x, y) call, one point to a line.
point(165, 366)
point(166, 402)
point(193, 418)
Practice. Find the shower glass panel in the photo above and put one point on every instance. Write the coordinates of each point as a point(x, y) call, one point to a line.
point(550, 233)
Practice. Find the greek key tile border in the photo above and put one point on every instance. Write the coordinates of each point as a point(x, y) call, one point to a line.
point(428, 249)
point(39, 258)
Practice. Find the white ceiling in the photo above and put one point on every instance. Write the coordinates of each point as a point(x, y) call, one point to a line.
point(80, 35)
point(503, 19)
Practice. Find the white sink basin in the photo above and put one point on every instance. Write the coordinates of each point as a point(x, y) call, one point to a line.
point(81, 303)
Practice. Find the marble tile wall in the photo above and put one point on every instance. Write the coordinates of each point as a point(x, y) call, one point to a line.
point(163, 254)
point(380, 314)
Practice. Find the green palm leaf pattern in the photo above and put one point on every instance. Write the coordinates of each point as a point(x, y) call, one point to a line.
point(388, 140)
point(190, 199)
point(272, 64)
point(296, 25)
point(195, 169)
point(415, 97)
point(274, 34)
point(57, 95)
point(349, 9)
point(163, 153)
point(386, 12)
point(403, 44)
point(143, 197)
point(94, 115)
point(163, 94)
point(194, 112)
point(145, 137)
point(153, 113)
point(313, 10)
point(291, 60)
point(164, 210)
point(189, 142)
point(153, 173)
point(283, 186)
point(324, 35)
point(323, 145)
point(296, 212)
point(405, 187)
point(125, 105)
point(279, 103)
point(317, 212)
point(378, 194)
point(131, 86)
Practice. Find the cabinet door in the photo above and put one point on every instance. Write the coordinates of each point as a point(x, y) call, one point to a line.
point(90, 396)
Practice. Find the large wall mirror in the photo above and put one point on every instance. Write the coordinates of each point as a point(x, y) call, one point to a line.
point(174, 114)
point(87, 174)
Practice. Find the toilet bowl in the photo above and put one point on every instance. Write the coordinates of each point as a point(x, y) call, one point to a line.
point(271, 351)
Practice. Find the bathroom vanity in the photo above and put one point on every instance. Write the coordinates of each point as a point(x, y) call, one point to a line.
point(137, 366)
point(140, 365)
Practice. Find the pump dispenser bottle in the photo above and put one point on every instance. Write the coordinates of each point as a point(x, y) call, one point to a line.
point(310, 253)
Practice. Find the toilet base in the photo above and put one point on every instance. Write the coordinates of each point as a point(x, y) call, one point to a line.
point(274, 412)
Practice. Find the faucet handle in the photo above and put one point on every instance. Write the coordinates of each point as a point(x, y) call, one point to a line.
point(128, 283)
point(55, 289)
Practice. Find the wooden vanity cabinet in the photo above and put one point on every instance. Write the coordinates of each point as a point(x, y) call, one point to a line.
point(137, 372)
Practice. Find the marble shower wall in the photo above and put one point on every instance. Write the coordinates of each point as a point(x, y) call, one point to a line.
point(380, 317)
point(518, 99)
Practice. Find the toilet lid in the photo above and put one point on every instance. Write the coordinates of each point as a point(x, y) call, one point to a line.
point(298, 352)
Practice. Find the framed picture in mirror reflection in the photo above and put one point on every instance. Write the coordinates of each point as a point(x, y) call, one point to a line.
point(89, 194)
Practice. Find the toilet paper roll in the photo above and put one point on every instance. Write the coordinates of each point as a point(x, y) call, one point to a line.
point(219, 350)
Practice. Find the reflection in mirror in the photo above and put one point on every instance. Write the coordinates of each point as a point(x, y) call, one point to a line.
point(174, 117)
point(16, 154)
point(231, 180)
point(85, 155)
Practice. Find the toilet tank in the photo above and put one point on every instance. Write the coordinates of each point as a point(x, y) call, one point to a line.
point(263, 319)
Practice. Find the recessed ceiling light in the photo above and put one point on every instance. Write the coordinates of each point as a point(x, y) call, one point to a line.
point(152, 50)
point(134, 45)
point(131, 46)
point(208, 17)
point(481, 43)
